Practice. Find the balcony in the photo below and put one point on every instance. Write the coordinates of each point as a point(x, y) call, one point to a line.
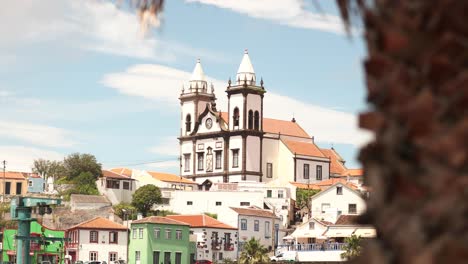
point(229, 247)
point(314, 247)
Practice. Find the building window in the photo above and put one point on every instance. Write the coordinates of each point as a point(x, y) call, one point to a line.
point(267, 229)
point(134, 232)
point(157, 232)
point(243, 224)
point(235, 117)
point(280, 194)
point(218, 159)
point(219, 203)
point(137, 255)
point(352, 208)
point(113, 237)
point(186, 162)
point(30, 183)
point(220, 255)
point(140, 233)
point(319, 173)
point(112, 184)
point(284, 207)
point(189, 202)
point(256, 225)
point(200, 160)
point(250, 125)
point(325, 206)
point(178, 234)
point(306, 171)
point(235, 158)
point(269, 193)
point(269, 170)
point(311, 225)
point(126, 185)
point(244, 203)
point(112, 256)
point(339, 190)
point(93, 236)
point(257, 121)
point(188, 123)
point(168, 233)
point(93, 255)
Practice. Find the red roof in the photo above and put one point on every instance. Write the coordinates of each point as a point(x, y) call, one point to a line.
point(254, 212)
point(158, 220)
point(276, 126)
point(306, 186)
point(327, 183)
point(114, 175)
point(167, 177)
point(100, 223)
point(336, 162)
point(122, 171)
point(304, 148)
point(14, 175)
point(355, 172)
point(200, 221)
point(347, 220)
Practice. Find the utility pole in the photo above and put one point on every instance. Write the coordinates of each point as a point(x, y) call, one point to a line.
point(4, 176)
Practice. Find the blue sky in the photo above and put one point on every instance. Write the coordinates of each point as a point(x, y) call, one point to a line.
point(80, 76)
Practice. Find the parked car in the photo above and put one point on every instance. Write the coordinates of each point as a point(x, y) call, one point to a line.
point(284, 256)
point(203, 261)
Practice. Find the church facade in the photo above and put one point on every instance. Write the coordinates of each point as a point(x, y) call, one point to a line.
point(241, 144)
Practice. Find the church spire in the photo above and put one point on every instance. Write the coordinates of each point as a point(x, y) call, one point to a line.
point(198, 78)
point(246, 73)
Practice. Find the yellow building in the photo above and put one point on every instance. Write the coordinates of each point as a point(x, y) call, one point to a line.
point(13, 183)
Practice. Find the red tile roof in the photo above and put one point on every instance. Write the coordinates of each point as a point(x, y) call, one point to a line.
point(114, 175)
point(100, 223)
point(122, 171)
point(158, 220)
point(200, 221)
point(276, 126)
point(355, 172)
point(13, 175)
point(306, 186)
point(304, 148)
point(327, 183)
point(336, 165)
point(167, 177)
point(347, 220)
point(254, 212)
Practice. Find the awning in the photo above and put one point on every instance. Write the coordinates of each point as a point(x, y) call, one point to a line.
point(339, 232)
point(288, 237)
point(365, 232)
point(304, 233)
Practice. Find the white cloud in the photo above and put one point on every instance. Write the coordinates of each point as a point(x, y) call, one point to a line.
point(286, 12)
point(35, 134)
point(168, 146)
point(20, 158)
point(165, 164)
point(163, 84)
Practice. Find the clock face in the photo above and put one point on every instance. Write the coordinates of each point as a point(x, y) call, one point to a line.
point(209, 123)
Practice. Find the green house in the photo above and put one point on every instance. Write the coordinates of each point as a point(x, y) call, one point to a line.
point(47, 251)
point(156, 240)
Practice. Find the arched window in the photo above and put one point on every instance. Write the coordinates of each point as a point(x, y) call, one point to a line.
point(257, 121)
point(188, 123)
point(235, 117)
point(250, 119)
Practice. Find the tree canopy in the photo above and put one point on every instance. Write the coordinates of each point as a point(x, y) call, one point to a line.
point(253, 252)
point(76, 163)
point(48, 168)
point(352, 247)
point(145, 197)
point(303, 198)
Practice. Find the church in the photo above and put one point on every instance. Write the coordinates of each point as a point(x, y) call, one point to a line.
point(242, 144)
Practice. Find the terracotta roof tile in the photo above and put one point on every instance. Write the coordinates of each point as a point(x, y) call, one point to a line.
point(306, 186)
point(254, 212)
point(200, 221)
point(14, 175)
point(347, 220)
point(304, 148)
point(167, 177)
point(336, 165)
point(355, 172)
point(276, 126)
point(100, 223)
point(327, 183)
point(159, 220)
point(123, 171)
point(114, 175)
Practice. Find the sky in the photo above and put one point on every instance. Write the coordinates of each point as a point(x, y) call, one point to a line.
point(82, 76)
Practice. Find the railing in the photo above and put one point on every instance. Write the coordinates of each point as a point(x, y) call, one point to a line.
point(313, 247)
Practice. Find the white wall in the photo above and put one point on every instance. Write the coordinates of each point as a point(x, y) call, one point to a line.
point(245, 235)
point(253, 154)
point(207, 252)
point(235, 143)
point(236, 100)
point(270, 155)
point(312, 169)
point(214, 128)
point(116, 196)
point(187, 148)
point(285, 164)
point(102, 247)
point(188, 107)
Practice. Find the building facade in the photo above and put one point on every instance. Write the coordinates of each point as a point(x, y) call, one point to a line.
point(116, 187)
point(13, 183)
point(36, 183)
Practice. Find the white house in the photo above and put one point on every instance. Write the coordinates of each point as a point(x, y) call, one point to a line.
point(340, 198)
point(116, 187)
point(254, 222)
point(88, 202)
point(97, 239)
point(216, 240)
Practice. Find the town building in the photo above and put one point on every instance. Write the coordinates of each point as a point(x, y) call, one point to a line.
point(13, 183)
point(116, 187)
point(216, 240)
point(98, 239)
point(88, 202)
point(35, 183)
point(158, 239)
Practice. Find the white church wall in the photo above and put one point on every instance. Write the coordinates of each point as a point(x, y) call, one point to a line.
point(312, 170)
point(235, 143)
point(253, 154)
point(270, 155)
point(188, 107)
point(187, 148)
point(285, 164)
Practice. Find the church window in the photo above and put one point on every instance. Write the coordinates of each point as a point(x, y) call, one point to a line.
point(200, 161)
point(235, 158)
point(250, 125)
point(269, 170)
point(319, 173)
point(235, 117)
point(257, 121)
point(306, 171)
point(188, 123)
point(186, 162)
point(218, 159)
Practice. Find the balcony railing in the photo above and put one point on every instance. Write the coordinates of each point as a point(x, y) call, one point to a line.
point(314, 247)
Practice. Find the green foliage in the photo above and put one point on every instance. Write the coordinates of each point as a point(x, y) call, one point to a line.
point(84, 183)
point(164, 213)
point(253, 252)
point(213, 215)
point(145, 197)
point(124, 208)
point(303, 198)
point(229, 261)
point(48, 168)
point(77, 163)
point(352, 247)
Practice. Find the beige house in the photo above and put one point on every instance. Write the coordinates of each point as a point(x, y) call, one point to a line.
point(13, 183)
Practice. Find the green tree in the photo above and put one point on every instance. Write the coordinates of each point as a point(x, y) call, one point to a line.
point(46, 168)
point(145, 197)
point(352, 247)
point(76, 163)
point(212, 215)
point(123, 209)
point(303, 198)
point(253, 252)
point(85, 183)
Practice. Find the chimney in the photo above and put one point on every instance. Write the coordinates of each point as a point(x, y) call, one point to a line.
point(139, 216)
point(111, 217)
